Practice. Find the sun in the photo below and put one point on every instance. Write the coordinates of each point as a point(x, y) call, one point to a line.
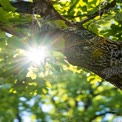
point(37, 55)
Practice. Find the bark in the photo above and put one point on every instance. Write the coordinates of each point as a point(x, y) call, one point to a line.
point(82, 47)
point(97, 54)
point(41, 7)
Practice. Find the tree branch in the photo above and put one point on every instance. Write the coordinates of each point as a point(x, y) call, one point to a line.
point(11, 30)
point(103, 114)
point(105, 10)
point(23, 7)
point(89, 51)
point(41, 7)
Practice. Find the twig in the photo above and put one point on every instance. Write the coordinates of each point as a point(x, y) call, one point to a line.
point(106, 9)
point(104, 113)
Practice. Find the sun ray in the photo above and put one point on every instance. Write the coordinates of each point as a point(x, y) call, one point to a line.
point(37, 55)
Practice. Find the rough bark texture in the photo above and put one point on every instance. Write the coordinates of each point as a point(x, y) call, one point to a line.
point(99, 55)
point(82, 47)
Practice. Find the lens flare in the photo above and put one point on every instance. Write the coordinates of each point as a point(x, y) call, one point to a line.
point(37, 55)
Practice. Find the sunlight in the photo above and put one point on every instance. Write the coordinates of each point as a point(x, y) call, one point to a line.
point(37, 55)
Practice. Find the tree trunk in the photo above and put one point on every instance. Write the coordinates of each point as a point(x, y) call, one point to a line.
point(99, 55)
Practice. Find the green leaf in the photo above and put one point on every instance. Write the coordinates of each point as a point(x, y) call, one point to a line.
point(86, 1)
point(15, 43)
point(4, 16)
point(31, 74)
point(84, 8)
point(2, 36)
point(7, 6)
point(93, 2)
point(59, 23)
